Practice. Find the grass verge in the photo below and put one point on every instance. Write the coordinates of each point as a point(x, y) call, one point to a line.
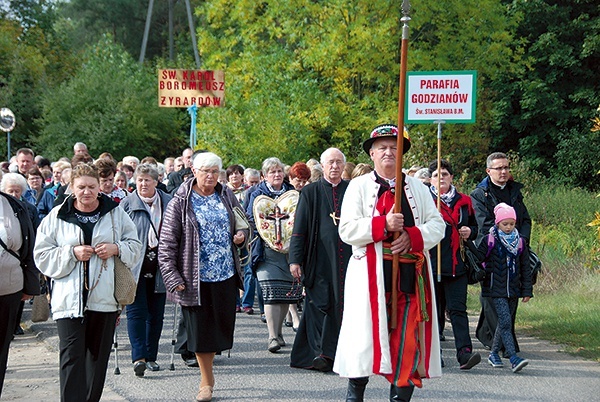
point(565, 308)
point(570, 316)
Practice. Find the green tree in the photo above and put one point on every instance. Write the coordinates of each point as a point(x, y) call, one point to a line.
point(305, 75)
point(22, 80)
point(549, 100)
point(125, 21)
point(33, 58)
point(463, 35)
point(111, 105)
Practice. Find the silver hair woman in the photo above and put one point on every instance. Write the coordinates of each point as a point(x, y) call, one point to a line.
point(13, 184)
point(272, 267)
point(20, 278)
point(199, 262)
point(16, 185)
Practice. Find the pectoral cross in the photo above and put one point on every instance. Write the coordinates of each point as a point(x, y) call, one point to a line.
point(277, 216)
point(334, 218)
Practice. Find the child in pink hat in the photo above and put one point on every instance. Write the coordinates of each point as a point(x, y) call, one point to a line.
point(508, 277)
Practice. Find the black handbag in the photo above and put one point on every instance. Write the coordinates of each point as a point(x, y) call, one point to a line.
point(475, 269)
point(535, 264)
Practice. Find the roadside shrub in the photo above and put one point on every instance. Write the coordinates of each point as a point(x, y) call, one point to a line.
point(561, 216)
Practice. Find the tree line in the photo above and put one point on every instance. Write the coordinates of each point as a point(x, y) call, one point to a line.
point(305, 75)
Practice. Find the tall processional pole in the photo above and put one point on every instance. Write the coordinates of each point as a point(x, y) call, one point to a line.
point(400, 151)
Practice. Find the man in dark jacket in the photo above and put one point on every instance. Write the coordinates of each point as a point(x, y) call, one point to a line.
point(177, 177)
point(498, 187)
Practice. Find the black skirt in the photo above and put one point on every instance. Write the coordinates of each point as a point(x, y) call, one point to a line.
point(210, 326)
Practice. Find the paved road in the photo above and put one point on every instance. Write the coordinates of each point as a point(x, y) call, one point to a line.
point(252, 373)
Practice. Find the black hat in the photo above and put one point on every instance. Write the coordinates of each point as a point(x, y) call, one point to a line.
point(384, 131)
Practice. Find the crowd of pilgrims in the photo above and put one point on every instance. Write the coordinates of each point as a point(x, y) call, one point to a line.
point(159, 244)
point(42, 185)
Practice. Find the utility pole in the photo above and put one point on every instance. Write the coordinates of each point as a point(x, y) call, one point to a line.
point(171, 51)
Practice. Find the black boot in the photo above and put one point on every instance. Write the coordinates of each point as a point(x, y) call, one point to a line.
point(356, 389)
point(401, 393)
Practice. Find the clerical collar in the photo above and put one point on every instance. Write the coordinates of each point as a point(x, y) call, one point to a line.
point(500, 187)
point(332, 184)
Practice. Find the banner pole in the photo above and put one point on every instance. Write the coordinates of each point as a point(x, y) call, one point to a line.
point(400, 151)
point(439, 198)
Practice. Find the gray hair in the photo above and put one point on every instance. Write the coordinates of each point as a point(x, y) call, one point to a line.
point(316, 173)
point(270, 163)
point(161, 168)
point(207, 159)
point(148, 169)
point(79, 145)
point(328, 150)
point(13, 178)
point(128, 159)
point(249, 172)
point(493, 156)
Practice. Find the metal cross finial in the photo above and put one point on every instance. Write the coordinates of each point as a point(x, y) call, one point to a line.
point(405, 7)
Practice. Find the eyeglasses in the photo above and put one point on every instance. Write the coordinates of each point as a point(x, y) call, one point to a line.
point(209, 171)
point(501, 168)
point(332, 162)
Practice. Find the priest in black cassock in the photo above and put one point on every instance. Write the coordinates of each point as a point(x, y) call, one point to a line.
point(319, 258)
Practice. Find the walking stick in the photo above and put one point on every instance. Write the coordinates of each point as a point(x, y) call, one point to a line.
point(174, 335)
point(116, 349)
point(400, 151)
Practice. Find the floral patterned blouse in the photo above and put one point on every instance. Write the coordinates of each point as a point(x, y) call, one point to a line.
point(216, 259)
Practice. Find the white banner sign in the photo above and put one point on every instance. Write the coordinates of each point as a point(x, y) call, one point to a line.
point(441, 95)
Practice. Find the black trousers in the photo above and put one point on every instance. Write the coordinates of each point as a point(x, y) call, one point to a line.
point(85, 345)
point(451, 294)
point(9, 308)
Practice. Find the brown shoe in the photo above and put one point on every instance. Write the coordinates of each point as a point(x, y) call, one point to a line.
point(205, 393)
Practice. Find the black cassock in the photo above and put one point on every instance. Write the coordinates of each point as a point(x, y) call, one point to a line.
point(317, 247)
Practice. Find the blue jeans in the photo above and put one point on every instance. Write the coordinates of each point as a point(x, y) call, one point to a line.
point(145, 320)
point(249, 287)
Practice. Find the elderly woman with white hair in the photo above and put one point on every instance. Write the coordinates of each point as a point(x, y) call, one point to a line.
point(198, 259)
point(20, 278)
point(272, 267)
point(16, 185)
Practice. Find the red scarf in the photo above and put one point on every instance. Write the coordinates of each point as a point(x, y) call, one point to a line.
point(452, 216)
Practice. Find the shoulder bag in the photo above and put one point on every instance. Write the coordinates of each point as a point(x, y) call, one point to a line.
point(125, 284)
point(40, 311)
point(535, 265)
point(241, 221)
point(475, 269)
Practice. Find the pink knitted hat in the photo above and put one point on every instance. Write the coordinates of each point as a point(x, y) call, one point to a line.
point(504, 211)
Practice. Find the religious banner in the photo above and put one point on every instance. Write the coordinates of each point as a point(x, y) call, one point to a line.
point(184, 88)
point(448, 96)
point(274, 219)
